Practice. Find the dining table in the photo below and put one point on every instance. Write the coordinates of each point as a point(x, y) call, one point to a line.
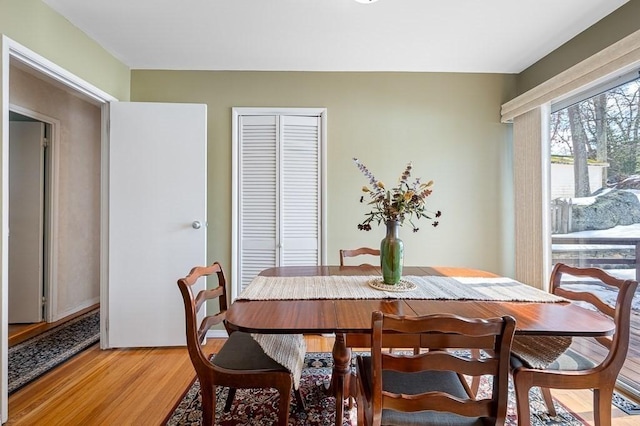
point(305, 300)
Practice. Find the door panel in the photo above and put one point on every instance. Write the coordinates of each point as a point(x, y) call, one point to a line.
point(157, 189)
point(26, 185)
point(258, 179)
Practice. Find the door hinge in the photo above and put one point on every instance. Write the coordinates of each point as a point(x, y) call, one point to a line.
point(44, 300)
point(45, 142)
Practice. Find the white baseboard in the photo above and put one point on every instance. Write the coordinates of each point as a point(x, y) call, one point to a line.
point(71, 311)
point(217, 334)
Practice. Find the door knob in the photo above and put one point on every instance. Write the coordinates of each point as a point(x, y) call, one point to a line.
point(196, 225)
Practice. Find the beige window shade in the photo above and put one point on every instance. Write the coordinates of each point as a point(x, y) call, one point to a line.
point(617, 59)
point(529, 114)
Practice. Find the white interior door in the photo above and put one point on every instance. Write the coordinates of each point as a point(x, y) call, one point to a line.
point(26, 186)
point(157, 197)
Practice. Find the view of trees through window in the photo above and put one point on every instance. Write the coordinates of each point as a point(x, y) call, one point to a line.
point(595, 191)
point(603, 129)
point(595, 163)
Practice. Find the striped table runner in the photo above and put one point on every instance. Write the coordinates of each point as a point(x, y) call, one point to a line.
point(289, 350)
point(427, 287)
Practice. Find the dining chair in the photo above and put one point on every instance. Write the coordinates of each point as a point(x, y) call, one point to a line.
point(240, 363)
point(358, 252)
point(351, 342)
point(430, 388)
point(573, 370)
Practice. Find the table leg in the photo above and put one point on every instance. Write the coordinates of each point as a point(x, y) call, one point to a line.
point(340, 376)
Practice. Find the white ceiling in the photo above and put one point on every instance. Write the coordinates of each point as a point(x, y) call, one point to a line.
point(497, 36)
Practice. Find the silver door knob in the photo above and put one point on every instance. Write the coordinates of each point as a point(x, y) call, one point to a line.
point(196, 225)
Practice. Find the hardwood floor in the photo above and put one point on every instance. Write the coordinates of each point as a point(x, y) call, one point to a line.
point(141, 386)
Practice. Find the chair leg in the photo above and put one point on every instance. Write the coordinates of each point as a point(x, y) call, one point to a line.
point(548, 400)
point(352, 386)
point(602, 406)
point(475, 386)
point(208, 395)
point(475, 380)
point(522, 387)
point(230, 397)
point(283, 404)
point(299, 400)
point(363, 411)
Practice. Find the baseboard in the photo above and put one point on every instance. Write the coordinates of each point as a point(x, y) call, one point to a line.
point(84, 305)
point(217, 334)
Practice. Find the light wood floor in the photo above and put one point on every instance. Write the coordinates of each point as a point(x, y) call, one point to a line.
point(141, 386)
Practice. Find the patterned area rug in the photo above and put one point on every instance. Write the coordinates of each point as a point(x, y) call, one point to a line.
point(260, 407)
point(36, 356)
point(625, 404)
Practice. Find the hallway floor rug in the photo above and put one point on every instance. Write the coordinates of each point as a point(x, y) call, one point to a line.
point(260, 407)
point(625, 404)
point(36, 356)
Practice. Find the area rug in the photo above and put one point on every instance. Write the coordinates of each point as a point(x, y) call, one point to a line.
point(36, 356)
point(625, 404)
point(260, 407)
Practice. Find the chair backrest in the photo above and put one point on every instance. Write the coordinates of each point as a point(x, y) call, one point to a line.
point(441, 333)
point(358, 252)
point(196, 331)
point(617, 344)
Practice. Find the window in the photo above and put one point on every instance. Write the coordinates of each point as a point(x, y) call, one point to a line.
point(595, 196)
point(595, 179)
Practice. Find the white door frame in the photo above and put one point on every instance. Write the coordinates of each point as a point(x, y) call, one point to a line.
point(14, 50)
point(52, 164)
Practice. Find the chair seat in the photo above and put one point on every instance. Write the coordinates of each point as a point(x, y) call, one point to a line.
point(241, 352)
point(421, 382)
point(570, 360)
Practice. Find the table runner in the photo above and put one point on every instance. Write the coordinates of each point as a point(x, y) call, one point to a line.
point(539, 351)
point(427, 287)
point(287, 350)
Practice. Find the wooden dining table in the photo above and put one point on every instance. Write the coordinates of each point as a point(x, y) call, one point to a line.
point(350, 319)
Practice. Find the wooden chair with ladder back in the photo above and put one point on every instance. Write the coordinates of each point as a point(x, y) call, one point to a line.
point(353, 341)
point(430, 388)
point(240, 363)
point(573, 370)
point(362, 251)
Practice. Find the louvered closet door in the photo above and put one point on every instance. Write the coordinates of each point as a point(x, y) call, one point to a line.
point(300, 208)
point(258, 185)
point(279, 188)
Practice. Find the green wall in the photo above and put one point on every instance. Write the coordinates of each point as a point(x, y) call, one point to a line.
point(448, 125)
point(37, 27)
point(609, 30)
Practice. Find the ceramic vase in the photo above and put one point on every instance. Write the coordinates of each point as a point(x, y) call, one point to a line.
point(392, 254)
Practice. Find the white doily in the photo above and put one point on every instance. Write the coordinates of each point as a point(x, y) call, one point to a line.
point(403, 285)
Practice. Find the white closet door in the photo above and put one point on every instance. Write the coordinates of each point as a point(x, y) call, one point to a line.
point(258, 195)
point(300, 207)
point(279, 186)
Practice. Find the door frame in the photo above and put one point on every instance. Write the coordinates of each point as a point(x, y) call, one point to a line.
point(12, 50)
point(50, 203)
